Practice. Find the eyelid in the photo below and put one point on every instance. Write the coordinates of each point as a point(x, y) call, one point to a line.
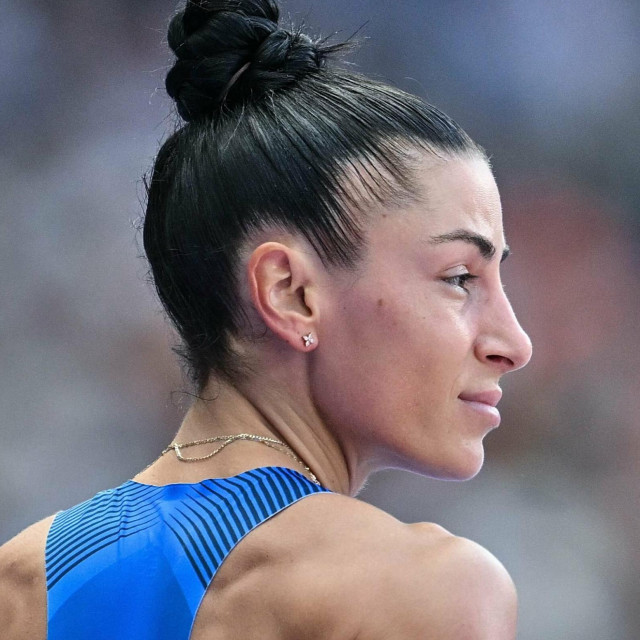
point(464, 277)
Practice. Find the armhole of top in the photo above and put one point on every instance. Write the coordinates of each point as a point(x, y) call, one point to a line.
point(270, 517)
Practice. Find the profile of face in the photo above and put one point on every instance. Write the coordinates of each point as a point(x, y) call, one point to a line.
point(413, 344)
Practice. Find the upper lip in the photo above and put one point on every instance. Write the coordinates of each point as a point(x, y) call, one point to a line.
point(490, 397)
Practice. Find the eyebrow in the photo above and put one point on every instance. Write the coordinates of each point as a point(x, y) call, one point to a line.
point(485, 246)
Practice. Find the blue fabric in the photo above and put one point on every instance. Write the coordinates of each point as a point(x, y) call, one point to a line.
point(134, 562)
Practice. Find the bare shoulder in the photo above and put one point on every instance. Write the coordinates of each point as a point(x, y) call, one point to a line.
point(421, 581)
point(452, 588)
point(23, 584)
point(349, 570)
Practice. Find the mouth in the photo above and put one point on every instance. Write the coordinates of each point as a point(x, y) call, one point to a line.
point(484, 403)
point(490, 397)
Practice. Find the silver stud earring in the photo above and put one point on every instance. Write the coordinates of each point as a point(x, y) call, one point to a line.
point(308, 340)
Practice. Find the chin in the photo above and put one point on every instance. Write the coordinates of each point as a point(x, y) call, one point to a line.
point(461, 475)
point(456, 462)
point(463, 465)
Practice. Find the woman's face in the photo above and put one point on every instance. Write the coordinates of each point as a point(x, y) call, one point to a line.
point(412, 346)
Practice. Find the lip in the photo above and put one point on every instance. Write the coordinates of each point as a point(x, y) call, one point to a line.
point(484, 403)
point(489, 397)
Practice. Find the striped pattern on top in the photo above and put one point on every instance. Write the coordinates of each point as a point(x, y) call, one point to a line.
point(119, 562)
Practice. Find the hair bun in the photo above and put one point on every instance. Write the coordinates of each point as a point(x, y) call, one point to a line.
point(230, 51)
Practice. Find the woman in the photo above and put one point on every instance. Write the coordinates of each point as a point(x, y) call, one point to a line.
point(329, 249)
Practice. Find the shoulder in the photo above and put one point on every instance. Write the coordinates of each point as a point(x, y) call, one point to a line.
point(347, 569)
point(23, 584)
point(419, 581)
point(451, 588)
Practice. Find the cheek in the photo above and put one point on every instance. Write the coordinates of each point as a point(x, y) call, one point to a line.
point(386, 354)
point(376, 333)
point(357, 352)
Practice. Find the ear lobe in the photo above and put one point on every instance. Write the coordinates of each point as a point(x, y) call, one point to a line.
point(279, 283)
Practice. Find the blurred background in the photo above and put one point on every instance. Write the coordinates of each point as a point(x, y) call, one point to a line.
point(90, 391)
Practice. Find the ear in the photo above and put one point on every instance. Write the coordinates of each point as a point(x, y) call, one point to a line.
point(281, 282)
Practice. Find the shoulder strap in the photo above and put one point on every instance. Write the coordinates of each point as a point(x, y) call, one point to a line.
point(136, 561)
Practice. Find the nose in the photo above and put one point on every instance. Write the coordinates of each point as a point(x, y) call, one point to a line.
point(502, 342)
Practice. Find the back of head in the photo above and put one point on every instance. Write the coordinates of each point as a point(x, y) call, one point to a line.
point(233, 51)
point(275, 136)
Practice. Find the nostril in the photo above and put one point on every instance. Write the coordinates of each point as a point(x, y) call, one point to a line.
point(503, 360)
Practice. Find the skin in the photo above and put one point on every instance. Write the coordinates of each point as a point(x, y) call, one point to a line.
point(421, 339)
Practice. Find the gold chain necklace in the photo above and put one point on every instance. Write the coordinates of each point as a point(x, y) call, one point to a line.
point(227, 440)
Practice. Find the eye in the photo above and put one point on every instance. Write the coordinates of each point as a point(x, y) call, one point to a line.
point(460, 280)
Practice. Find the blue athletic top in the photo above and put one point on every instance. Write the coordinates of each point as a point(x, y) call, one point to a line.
point(134, 562)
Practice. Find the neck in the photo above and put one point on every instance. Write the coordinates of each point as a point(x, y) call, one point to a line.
point(223, 409)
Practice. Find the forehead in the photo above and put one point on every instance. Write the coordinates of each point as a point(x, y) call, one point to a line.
point(458, 193)
point(452, 195)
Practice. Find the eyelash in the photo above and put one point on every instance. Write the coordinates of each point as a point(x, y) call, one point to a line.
point(460, 280)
